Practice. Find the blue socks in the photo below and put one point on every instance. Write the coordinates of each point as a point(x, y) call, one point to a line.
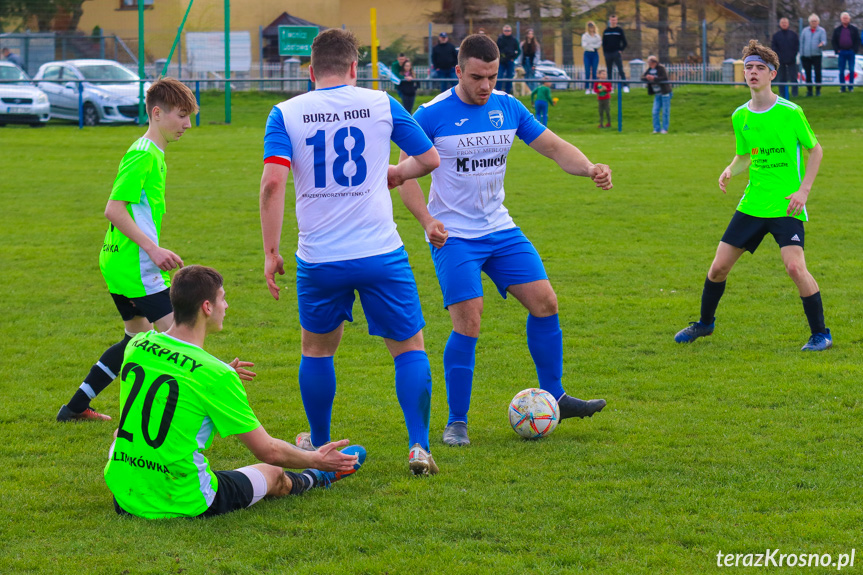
point(413, 389)
point(545, 342)
point(458, 362)
point(318, 389)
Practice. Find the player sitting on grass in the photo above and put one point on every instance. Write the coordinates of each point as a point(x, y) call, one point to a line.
point(769, 132)
point(174, 397)
point(336, 139)
point(470, 231)
point(133, 264)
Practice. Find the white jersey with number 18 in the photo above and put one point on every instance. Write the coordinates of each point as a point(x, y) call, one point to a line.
point(337, 141)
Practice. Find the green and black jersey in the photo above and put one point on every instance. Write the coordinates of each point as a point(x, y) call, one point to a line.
point(127, 268)
point(174, 397)
point(774, 140)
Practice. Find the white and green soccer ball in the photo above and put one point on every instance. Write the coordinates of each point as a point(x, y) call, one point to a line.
point(533, 413)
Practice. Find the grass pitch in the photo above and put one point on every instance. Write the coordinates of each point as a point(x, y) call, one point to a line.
point(738, 443)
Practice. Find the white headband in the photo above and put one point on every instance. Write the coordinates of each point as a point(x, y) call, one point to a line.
point(757, 58)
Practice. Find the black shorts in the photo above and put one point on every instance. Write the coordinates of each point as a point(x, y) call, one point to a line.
point(746, 232)
point(153, 307)
point(235, 492)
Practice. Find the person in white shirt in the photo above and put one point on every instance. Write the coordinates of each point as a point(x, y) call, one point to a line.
point(591, 42)
point(336, 139)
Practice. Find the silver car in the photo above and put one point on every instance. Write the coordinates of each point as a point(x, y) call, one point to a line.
point(110, 90)
point(20, 101)
point(830, 69)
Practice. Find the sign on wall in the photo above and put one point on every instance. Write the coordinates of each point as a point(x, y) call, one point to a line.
point(296, 40)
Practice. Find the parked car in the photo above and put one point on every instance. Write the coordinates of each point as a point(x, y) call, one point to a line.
point(110, 90)
point(547, 69)
point(830, 69)
point(20, 101)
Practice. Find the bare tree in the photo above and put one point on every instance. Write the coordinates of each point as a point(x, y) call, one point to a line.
point(661, 25)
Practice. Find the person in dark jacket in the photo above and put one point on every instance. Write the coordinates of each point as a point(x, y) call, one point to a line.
point(444, 58)
point(509, 53)
point(658, 86)
point(846, 43)
point(613, 43)
point(786, 44)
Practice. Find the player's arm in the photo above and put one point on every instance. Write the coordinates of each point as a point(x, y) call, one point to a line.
point(414, 200)
point(738, 165)
point(117, 213)
point(274, 451)
point(797, 200)
point(273, 182)
point(412, 167)
point(571, 159)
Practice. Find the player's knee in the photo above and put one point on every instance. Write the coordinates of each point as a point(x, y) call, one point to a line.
point(795, 270)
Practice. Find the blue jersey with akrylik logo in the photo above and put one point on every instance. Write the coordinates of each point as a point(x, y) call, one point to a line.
point(473, 142)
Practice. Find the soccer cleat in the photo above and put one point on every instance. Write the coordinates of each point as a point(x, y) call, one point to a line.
point(65, 414)
point(455, 434)
point(819, 342)
point(608, 125)
point(574, 407)
point(626, 89)
point(326, 478)
point(421, 461)
point(304, 441)
point(692, 332)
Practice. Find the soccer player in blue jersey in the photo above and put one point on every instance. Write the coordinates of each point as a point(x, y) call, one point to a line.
point(337, 141)
point(470, 231)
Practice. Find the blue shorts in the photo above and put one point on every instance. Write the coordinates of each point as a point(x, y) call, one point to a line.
point(507, 258)
point(388, 294)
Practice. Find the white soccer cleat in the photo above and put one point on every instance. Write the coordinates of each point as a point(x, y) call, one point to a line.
point(421, 461)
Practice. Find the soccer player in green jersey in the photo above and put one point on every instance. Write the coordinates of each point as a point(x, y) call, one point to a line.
point(174, 397)
point(133, 264)
point(770, 132)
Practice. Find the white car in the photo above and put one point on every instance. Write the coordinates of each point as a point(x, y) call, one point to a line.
point(830, 69)
point(551, 72)
point(20, 101)
point(110, 90)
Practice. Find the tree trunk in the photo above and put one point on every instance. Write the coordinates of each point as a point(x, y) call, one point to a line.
point(662, 27)
point(636, 42)
point(536, 19)
point(566, 31)
point(459, 25)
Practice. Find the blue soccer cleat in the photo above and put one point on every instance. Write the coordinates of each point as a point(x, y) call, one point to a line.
point(326, 478)
point(818, 342)
point(695, 330)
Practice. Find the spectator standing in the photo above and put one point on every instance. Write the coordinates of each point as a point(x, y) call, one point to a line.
point(408, 86)
point(786, 44)
point(591, 42)
point(812, 41)
point(11, 56)
point(509, 53)
point(541, 99)
point(396, 70)
point(444, 59)
point(603, 90)
point(613, 43)
point(530, 53)
point(658, 87)
point(846, 43)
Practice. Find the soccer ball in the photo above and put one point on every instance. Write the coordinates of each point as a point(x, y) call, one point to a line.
point(533, 413)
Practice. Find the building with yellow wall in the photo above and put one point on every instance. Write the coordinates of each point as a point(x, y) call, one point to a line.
point(396, 19)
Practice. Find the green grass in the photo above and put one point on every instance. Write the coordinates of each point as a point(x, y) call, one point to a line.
point(736, 443)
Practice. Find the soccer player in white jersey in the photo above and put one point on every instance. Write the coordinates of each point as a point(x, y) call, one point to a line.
point(337, 141)
point(473, 127)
